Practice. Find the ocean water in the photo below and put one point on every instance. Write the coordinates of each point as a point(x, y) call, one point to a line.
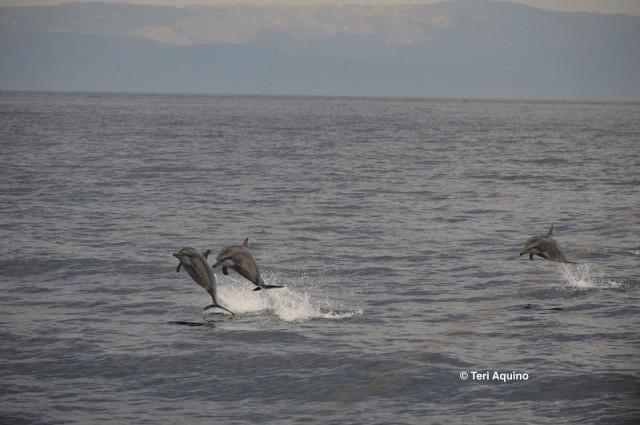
point(395, 225)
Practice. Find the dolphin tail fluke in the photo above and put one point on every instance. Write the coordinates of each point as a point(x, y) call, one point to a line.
point(258, 288)
point(221, 307)
point(268, 287)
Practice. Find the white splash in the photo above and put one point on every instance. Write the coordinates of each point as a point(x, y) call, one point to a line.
point(288, 303)
point(581, 276)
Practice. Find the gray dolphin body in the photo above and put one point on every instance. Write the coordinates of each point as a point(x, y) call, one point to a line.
point(238, 258)
point(195, 263)
point(546, 247)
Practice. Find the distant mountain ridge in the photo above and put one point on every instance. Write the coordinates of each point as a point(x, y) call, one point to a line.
point(457, 48)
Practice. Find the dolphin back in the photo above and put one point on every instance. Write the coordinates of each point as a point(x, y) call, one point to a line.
point(246, 266)
point(552, 250)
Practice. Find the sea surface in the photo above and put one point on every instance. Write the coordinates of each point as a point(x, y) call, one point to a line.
point(395, 226)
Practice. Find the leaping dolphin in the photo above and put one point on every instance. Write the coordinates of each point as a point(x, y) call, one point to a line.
point(238, 258)
point(546, 247)
point(195, 263)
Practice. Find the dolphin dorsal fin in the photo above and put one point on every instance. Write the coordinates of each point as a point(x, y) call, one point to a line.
point(550, 231)
point(206, 253)
point(246, 243)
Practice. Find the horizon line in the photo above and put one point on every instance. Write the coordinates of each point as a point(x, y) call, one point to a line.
point(505, 99)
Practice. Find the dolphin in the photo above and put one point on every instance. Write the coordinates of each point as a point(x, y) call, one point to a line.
point(238, 258)
point(195, 263)
point(546, 247)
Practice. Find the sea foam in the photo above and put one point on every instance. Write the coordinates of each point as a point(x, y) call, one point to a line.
point(581, 276)
point(289, 303)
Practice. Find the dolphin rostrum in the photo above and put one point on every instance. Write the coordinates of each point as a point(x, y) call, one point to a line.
point(546, 247)
point(238, 258)
point(195, 263)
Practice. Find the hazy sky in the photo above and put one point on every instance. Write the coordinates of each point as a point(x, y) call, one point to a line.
point(602, 6)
